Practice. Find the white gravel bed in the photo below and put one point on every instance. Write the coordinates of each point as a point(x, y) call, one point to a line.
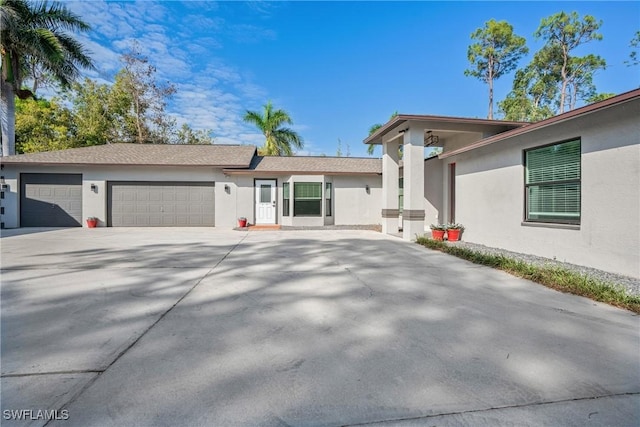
point(631, 284)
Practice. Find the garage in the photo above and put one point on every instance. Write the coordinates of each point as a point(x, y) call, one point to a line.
point(50, 200)
point(161, 204)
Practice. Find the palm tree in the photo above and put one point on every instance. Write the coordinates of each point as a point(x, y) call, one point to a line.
point(35, 34)
point(279, 140)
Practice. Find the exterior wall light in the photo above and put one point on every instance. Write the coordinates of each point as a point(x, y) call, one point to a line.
point(227, 189)
point(94, 188)
point(367, 189)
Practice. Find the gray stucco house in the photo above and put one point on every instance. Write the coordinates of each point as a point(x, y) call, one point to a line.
point(565, 188)
point(186, 185)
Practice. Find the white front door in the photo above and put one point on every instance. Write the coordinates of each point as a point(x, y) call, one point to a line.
point(265, 201)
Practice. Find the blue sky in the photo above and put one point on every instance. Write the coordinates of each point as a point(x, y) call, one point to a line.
point(336, 67)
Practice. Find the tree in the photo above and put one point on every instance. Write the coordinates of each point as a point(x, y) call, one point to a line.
point(43, 126)
point(535, 88)
point(148, 98)
point(35, 34)
point(566, 32)
point(373, 129)
point(496, 53)
point(186, 135)
point(633, 55)
point(278, 140)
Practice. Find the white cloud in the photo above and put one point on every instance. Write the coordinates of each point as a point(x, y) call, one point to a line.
point(212, 93)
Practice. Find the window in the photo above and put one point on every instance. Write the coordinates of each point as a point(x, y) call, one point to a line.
point(552, 183)
point(327, 199)
point(307, 199)
point(400, 195)
point(265, 193)
point(285, 199)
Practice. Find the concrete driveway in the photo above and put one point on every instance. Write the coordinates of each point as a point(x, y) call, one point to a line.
point(202, 327)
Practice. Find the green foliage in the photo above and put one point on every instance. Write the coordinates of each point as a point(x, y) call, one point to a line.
point(496, 52)
point(137, 81)
point(278, 140)
point(43, 126)
point(186, 135)
point(550, 276)
point(564, 32)
point(35, 34)
point(373, 129)
point(555, 80)
point(633, 55)
point(440, 227)
point(454, 226)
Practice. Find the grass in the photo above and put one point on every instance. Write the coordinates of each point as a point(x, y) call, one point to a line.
point(553, 277)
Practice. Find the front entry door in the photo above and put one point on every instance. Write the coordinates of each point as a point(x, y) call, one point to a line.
point(265, 201)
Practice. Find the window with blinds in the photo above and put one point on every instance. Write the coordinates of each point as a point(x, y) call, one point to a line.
point(307, 199)
point(552, 183)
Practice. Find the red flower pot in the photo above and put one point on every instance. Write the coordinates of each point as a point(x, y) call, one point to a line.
point(453, 235)
point(92, 223)
point(242, 222)
point(437, 234)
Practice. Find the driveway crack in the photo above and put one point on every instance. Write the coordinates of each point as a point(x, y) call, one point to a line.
point(134, 342)
point(475, 411)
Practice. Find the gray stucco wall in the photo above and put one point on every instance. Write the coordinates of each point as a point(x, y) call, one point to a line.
point(351, 203)
point(95, 203)
point(433, 192)
point(490, 193)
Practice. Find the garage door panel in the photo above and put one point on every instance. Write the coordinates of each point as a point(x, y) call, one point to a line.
point(50, 200)
point(165, 204)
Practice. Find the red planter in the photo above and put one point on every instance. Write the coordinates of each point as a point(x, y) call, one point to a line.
point(242, 222)
point(437, 234)
point(92, 223)
point(453, 235)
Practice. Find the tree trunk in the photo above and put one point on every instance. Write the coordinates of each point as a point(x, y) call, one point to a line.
point(8, 119)
point(490, 116)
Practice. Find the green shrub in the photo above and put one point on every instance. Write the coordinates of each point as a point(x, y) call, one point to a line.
point(551, 276)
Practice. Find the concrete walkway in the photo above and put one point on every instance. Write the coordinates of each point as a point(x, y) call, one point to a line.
point(202, 327)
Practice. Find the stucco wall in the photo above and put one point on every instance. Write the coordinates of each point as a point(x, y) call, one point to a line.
point(490, 193)
point(352, 204)
point(95, 203)
point(433, 191)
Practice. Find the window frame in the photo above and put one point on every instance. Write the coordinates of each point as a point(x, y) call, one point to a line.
point(319, 214)
point(286, 199)
point(555, 221)
point(328, 199)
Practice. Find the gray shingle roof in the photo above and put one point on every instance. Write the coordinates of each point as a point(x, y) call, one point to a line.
point(143, 154)
point(307, 164)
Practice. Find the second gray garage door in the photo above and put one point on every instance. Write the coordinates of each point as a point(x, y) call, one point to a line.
point(161, 204)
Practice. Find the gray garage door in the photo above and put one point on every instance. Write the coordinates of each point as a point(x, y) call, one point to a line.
point(161, 204)
point(50, 200)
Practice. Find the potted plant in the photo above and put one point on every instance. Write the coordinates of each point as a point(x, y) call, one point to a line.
point(453, 232)
point(92, 222)
point(437, 231)
point(242, 222)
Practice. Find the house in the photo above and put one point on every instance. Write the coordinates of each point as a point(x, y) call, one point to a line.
point(186, 185)
point(565, 188)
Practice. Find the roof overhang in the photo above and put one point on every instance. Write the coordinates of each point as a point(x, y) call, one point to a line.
point(394, 127)
point(570, 115)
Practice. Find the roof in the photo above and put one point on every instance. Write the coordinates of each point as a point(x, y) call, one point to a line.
point(578, 112)
point(142, 155)
point(311, 165)
point(402, 118)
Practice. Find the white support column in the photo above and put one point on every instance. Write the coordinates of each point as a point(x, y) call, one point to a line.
point(413, 164)
point(390, 170)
